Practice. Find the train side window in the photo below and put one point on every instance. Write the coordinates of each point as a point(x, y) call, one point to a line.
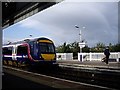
point(22, 50)
point(31, 47)
point(7, 50)
point(35, 49)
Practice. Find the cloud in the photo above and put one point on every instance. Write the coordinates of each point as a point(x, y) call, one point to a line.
point(58, 22)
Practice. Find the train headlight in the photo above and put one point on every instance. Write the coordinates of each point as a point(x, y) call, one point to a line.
point(41, 58)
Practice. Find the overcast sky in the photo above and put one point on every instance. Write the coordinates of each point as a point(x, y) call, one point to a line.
point(100, 20)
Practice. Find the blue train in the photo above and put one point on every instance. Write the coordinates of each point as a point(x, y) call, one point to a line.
point(29, 52)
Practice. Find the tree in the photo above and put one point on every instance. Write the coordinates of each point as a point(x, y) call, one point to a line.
point(86, 49)
point(75, 49)
point(116, 48)
point(100, 47)
point(65, 48)
point(59, 49)
point(110, 47)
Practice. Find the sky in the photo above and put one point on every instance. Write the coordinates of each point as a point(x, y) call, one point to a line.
point(57, 23)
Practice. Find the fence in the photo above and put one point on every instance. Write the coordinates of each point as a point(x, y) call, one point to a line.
point(97, 56)
point(64, 56)
point(88, 56)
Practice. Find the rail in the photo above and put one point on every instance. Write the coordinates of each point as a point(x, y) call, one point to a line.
point(55, 82)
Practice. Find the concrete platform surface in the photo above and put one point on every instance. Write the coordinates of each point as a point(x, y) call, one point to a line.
point(91, 64)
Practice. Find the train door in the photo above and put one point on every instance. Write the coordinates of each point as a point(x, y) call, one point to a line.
point(34, 50)
point(14, 53)
point(7, 55)
point(22, 53)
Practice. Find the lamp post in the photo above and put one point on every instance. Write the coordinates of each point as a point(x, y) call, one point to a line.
point(30, 35)
point(81, 43)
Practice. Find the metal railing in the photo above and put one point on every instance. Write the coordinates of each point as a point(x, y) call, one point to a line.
point(64, 56)
point(88, 56)
point(97, 56)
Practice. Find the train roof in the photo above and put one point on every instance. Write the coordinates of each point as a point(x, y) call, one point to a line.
point(27, 40)
point(13, 45)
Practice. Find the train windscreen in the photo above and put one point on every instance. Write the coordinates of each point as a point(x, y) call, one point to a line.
point(46, 48)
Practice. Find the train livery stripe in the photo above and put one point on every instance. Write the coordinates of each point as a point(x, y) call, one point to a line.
point(24, 56)
point(45, 41)
point(8, 56)
point(48, 56)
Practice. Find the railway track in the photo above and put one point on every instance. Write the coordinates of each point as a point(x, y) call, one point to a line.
point(88, 78)
point(102, 77)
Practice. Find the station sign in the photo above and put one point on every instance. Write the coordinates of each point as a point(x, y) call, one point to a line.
point(82, 44)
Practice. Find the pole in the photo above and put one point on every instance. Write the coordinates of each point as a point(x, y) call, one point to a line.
point(80, 40)
point(80, 44)
point(80, 37)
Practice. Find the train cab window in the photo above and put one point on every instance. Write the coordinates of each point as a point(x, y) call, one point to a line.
point(7, 50)
point(22, 50)
point(46, 48)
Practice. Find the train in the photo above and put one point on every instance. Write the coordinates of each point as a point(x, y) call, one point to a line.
point(29, 52)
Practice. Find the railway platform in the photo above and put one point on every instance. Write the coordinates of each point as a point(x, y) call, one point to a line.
point(90, 64)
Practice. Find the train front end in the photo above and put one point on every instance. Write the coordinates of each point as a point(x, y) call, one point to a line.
point(46, 51)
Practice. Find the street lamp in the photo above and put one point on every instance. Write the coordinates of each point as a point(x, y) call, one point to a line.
point(9, 42)
point(30, 35)
point(81, 42)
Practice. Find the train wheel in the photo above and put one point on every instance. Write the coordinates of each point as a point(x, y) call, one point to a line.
point(19, 64)
point(23, 64)
point(5, 62)
point(10, 62)
point(15, 63)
